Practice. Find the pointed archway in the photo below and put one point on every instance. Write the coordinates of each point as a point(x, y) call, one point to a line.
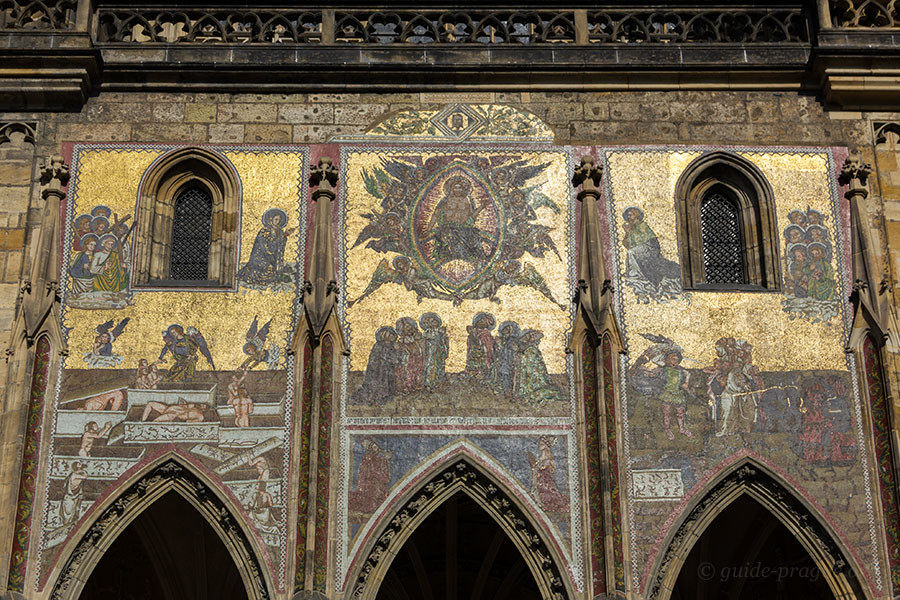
point(747, 553)
point(460, 481)
point(168, 552)
point(134, 515)
point(459, 551)
point(750, 493)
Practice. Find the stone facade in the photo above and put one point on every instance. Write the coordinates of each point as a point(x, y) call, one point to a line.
point(564, 434)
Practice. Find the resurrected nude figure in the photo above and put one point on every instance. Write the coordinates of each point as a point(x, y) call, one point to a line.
point(92, 432)
point(240, 399)
point(108, 401)
point(186, 412)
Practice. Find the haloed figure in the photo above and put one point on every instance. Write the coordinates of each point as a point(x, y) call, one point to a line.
point(267, 257)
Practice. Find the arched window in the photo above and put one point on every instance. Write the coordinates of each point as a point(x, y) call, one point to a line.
point(720, 228)
point(726, 223)
point(190, 236)
point(187, 226)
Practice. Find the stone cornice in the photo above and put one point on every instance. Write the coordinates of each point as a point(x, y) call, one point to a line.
point(118, 46)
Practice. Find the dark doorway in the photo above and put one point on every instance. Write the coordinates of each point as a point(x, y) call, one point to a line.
point(169, 552)
point(459, 553)
point(746, 554)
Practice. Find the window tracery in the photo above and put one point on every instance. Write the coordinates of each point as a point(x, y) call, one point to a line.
point(720, 228)
point(190, 235)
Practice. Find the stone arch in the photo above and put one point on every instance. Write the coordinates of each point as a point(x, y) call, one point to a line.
point(745, 185)
point(169, 473)
point(460, 473)
point(11, 130)
point(887, 134)
point(749, 477)
point(163, 182)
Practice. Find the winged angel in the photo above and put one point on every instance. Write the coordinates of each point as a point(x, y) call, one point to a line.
point(186, 347)
point(255, 347)
point(475, 239)
point(102, 354)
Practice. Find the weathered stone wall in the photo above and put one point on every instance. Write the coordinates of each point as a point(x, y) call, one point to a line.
point(577, 118)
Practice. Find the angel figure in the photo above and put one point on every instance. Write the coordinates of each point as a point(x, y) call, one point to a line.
point(184, 345)
point(385, 273)
point(101, 353)
point(401, 272)
point(513, 272)
point(384, 232)
point(255, 347)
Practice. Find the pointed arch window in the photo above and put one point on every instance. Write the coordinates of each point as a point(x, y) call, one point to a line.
point(723, 248)
point(726, 224)
point(188, 222)
point(191, 228)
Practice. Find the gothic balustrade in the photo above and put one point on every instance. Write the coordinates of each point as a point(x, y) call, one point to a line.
point(612, 26)
point(445, 28)
point(142, 26)
point(36, 15)
point(698, 26)
point(870, 14)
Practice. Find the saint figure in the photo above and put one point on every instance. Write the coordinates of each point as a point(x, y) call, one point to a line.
point(267, 256)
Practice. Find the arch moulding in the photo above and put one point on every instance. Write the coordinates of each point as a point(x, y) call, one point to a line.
point(167, 474)
point(164, 180)
point(753, 479)
point(745, 184)
point(459, 474)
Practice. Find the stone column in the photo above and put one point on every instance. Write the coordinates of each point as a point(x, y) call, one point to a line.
point(322, 343)
point(873, 309)
point(37, 315)
point(595, 345)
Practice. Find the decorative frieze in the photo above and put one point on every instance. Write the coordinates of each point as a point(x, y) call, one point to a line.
point(484, 27)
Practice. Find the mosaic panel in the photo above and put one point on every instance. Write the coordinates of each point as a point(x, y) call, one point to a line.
point(456, 123)
point(458, 269)
point(201, 370)
point(712, 376)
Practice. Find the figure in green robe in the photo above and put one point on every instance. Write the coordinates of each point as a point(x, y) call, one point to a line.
point(108, 271)
point(533, 384)
point(820, 274)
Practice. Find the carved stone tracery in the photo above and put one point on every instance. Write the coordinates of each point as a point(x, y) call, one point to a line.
point(38, 14)
point(435, 27)
point(866, 13)
point(749, 478)
point(169, 475)
point(460, 476)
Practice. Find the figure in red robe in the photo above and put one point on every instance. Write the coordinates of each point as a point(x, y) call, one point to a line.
point(373, 479)
point(543, 480)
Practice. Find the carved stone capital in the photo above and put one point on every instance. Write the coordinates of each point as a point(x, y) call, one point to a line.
point(855, 174)
point(588, 176)
point(324, 176)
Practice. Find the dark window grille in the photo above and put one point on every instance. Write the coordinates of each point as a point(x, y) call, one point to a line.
point(720, 226)
point(190, 236)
